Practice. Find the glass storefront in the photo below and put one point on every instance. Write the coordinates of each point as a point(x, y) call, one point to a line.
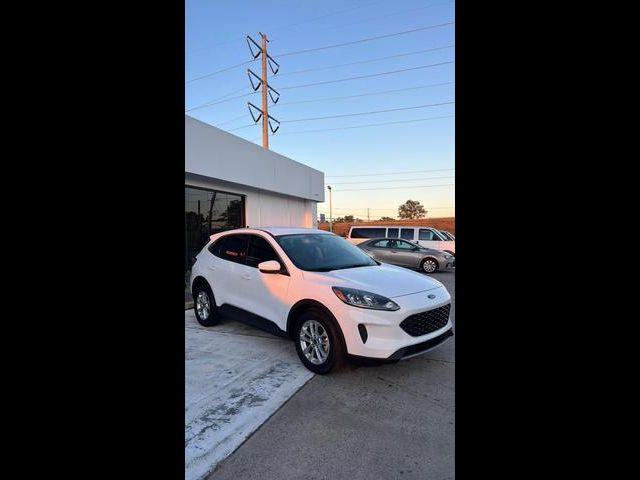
point(207, 212)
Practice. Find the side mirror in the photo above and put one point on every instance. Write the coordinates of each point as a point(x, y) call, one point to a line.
point(270, 266)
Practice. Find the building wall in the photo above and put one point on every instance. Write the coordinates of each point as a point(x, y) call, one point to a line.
point(265, 208)
point(214, 153)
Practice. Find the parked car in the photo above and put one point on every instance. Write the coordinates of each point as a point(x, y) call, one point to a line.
point(407, 254)
point(319, 290)
point(424, 236)
point(447, 235)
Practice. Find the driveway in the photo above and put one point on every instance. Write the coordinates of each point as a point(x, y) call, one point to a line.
point(389, 421)
point(235, 378)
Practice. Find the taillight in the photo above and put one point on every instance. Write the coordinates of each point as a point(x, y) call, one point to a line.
point(193, 261)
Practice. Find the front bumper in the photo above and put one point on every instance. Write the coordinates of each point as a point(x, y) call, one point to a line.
point(448, 264)
point(407, 352)
point(385, 339)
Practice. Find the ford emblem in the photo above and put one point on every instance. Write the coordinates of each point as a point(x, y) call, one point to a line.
point(431, 296)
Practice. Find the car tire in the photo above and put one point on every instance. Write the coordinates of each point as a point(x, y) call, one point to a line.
point(319, 330)
point(429, 265)
point(204, 305)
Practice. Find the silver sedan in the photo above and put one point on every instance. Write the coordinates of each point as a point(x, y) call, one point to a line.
point(406, 254)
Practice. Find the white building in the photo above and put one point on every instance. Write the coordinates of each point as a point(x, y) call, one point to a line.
point(231, 183)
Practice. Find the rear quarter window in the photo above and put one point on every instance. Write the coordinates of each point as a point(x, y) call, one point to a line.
point(231, 247)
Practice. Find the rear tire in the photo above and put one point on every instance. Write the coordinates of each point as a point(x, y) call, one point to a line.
point(204, 305)
point(319, 342)
point(429, 265)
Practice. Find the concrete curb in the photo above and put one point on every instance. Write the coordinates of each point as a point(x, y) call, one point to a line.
point(188, 305)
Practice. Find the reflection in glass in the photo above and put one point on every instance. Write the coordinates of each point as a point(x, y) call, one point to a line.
point(207, 212)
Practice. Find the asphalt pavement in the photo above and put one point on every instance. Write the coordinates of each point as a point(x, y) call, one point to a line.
point(390, 421)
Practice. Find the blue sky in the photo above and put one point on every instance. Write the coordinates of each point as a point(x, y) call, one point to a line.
point(214, 40)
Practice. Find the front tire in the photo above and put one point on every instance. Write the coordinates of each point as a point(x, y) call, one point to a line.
point(429, 265)
point(204, 306)
point(318, 342)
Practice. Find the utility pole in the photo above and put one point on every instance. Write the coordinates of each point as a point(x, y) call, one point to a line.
point(330, 211)
point(368, 218)
point(267, 90)
point(265, 112)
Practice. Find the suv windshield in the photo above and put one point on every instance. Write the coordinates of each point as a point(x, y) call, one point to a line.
point(446, 235)
point(318, 252)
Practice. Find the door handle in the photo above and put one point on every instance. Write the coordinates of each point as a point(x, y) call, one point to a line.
point(211, 267)
point(246, 276)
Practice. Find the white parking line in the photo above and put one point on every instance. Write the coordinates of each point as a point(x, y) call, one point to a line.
point(236, 377)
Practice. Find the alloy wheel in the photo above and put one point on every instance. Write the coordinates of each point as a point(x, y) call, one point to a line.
point(429, 266)
point(203, 305)
point(314, 341)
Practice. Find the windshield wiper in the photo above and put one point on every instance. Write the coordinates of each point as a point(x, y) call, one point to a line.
point(338, 267)
point(353, 266)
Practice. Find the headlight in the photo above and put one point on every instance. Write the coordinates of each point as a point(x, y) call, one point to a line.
point(447, 256)
point(361, 299)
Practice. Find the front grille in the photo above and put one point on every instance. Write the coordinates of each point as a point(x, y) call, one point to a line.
point(426, 322)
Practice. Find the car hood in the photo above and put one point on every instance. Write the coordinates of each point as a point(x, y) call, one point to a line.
point(383, 279)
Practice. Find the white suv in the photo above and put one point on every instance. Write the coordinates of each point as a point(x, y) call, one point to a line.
point(326, 294)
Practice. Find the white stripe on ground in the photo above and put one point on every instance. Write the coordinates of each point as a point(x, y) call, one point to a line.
point(236, 377)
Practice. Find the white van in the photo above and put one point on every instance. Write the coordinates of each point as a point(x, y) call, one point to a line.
point(424, 236)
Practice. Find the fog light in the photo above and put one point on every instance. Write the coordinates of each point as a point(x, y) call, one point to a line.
point(363, 332)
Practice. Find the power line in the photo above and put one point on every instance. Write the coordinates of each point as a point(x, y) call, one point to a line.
point(302, 22)
point(219, 71)
point(243, 126)
point(366, 113)
point(367, 76)
point(222, 97)
point(396, 180)
point(362, 40)
point(353, 96)
point(393, 188)
point(367, 61)
point(326, 99)
point(231, 120)
point(368, 4)
point(391, 173)
point(367, 125)
point(348, 115)
point(210, 104)
point(391, 14)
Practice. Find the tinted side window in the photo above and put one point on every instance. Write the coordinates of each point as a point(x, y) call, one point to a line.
point(393, 233)
point(381, 243)
point(405, 245)
point(232, 248)
point(367, 232)
point(260, 251)
point(426, 234)
point(407, 233)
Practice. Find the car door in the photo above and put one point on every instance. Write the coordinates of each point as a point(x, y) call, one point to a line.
point(225, 272)
point(388, 251)
point(265, 294)
point(405, 254)
point(428, 238)
point(379, 251)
